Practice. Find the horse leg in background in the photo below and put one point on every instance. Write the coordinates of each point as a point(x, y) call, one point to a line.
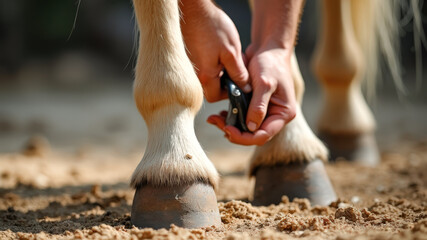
point(291, 163)
point(346, 124)
point(175, 180)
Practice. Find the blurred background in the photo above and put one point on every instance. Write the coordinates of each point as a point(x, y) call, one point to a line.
point(66, 74)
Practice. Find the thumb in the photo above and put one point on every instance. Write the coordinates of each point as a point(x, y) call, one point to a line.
point(237, 71)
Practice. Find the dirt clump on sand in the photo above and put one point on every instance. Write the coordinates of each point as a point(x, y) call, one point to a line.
point(64, 196)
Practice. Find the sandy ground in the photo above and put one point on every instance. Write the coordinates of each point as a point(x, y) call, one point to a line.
point(47, 194)
point(73, 183)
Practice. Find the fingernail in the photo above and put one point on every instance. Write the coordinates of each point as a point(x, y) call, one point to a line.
point(247, 88)
point(252, 126)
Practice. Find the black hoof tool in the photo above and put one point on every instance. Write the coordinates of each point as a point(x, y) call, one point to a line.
point(239, 103)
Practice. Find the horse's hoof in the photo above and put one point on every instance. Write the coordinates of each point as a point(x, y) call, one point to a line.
point(306, 180)
point(188, 206)
point(358, 148)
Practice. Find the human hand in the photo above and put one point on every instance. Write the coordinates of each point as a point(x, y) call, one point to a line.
point(213, 44)
point(273, 101)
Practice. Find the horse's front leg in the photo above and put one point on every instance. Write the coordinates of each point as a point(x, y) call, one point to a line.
point(175, 180)
point(291, 163)
point(346, 124)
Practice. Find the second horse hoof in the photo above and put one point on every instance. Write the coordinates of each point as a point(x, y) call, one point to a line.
point(305, 180)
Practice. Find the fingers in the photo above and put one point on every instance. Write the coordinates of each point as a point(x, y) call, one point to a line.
point(259, 137)
point(210, 80)
point(235, 136)
point(259, 104)
point(235, 66)
point(273, 101)
point(212, 86)
point(272, 126)
point(218, 120)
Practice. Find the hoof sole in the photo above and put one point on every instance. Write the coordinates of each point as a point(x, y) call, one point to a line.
point(307, 180)
point(190, 206)
point(358, 148)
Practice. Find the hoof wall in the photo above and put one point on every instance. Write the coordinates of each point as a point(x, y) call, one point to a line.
point(307, 180)
point(358, 148)
point(189, 206)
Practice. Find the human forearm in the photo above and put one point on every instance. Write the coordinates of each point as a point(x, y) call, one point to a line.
point(275, 22)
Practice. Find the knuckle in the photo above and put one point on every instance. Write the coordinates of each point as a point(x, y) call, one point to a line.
point(265, 83)
point(229, 53)
point(240, 77)
point(289, 112)
point(259, 112)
